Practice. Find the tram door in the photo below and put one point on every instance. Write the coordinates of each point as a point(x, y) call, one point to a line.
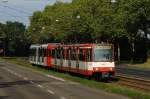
point(85, 55)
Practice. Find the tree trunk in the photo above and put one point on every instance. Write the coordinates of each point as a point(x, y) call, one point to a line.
point(131, 41)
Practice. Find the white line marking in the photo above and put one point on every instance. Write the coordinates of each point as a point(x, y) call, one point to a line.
point(12, 72)
point(51, 92)
point(15, 74)
point(40, 86)
point(62, 97)
point(19, 75)
point(25, 78)
point(57, 78)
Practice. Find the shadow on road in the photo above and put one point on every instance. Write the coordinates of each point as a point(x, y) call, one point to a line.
point(2, 65)
point(21, 82)
point(4, 97)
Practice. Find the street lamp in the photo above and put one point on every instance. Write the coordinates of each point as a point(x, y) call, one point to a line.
point(57, 20)
point(113, 1)
point(78, 16)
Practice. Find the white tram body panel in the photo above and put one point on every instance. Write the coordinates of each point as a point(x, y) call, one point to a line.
point(43, 57)
point(33, 58)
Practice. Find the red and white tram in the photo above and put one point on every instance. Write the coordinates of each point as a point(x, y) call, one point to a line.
point(96, 60)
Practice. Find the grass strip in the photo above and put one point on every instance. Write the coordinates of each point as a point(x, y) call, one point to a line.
point(108, 87)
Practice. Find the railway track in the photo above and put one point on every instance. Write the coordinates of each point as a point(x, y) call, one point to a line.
point(136, 83)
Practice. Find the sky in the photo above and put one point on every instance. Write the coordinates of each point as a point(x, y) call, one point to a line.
point(20, 10)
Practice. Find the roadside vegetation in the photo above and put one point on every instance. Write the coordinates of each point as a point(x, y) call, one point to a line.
point(108, 87)
point(145, 65)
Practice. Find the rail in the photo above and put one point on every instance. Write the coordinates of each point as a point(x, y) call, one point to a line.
point(136, 83)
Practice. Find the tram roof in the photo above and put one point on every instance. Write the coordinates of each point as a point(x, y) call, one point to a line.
point(82, 45)
point(35, 46)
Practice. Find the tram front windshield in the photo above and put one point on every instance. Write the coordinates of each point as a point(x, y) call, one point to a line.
point(102, 54)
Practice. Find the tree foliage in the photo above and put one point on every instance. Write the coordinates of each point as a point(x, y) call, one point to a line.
point(92, 20)
point(13, 38)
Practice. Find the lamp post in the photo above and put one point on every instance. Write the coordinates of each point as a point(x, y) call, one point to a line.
point(57, 20)
point(113, 2)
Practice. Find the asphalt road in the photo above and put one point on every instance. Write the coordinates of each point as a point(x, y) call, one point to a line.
point(134, 72)
point(17, 82)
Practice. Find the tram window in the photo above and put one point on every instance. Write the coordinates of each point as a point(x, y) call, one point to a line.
point(44, 53)
point(89, 55)
point(44, 50)
point(63, 53)
point(53, 53)
point(67, 54)
point(50, 52)
point(39, 52)
point(73, 54)
point(81, 54)
point(32, 52)
point(102, 54)
point(58, 51)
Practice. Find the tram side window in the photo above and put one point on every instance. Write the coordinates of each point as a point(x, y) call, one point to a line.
point(89, 55)
point(39, 52)
point(81, 54)
point(58, 53)
point(63, 54)
point(49, 52)
point(53, 53)
point(73, 54)
point(33, 52)
point(44, 52)
point(67, 54)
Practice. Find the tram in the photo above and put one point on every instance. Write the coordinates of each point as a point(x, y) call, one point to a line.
point(93, 60)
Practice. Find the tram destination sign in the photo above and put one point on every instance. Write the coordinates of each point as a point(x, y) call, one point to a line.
point(104, 47)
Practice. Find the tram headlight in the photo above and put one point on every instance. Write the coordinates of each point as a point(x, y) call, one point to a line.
point(96, 69)
point(111, 69)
